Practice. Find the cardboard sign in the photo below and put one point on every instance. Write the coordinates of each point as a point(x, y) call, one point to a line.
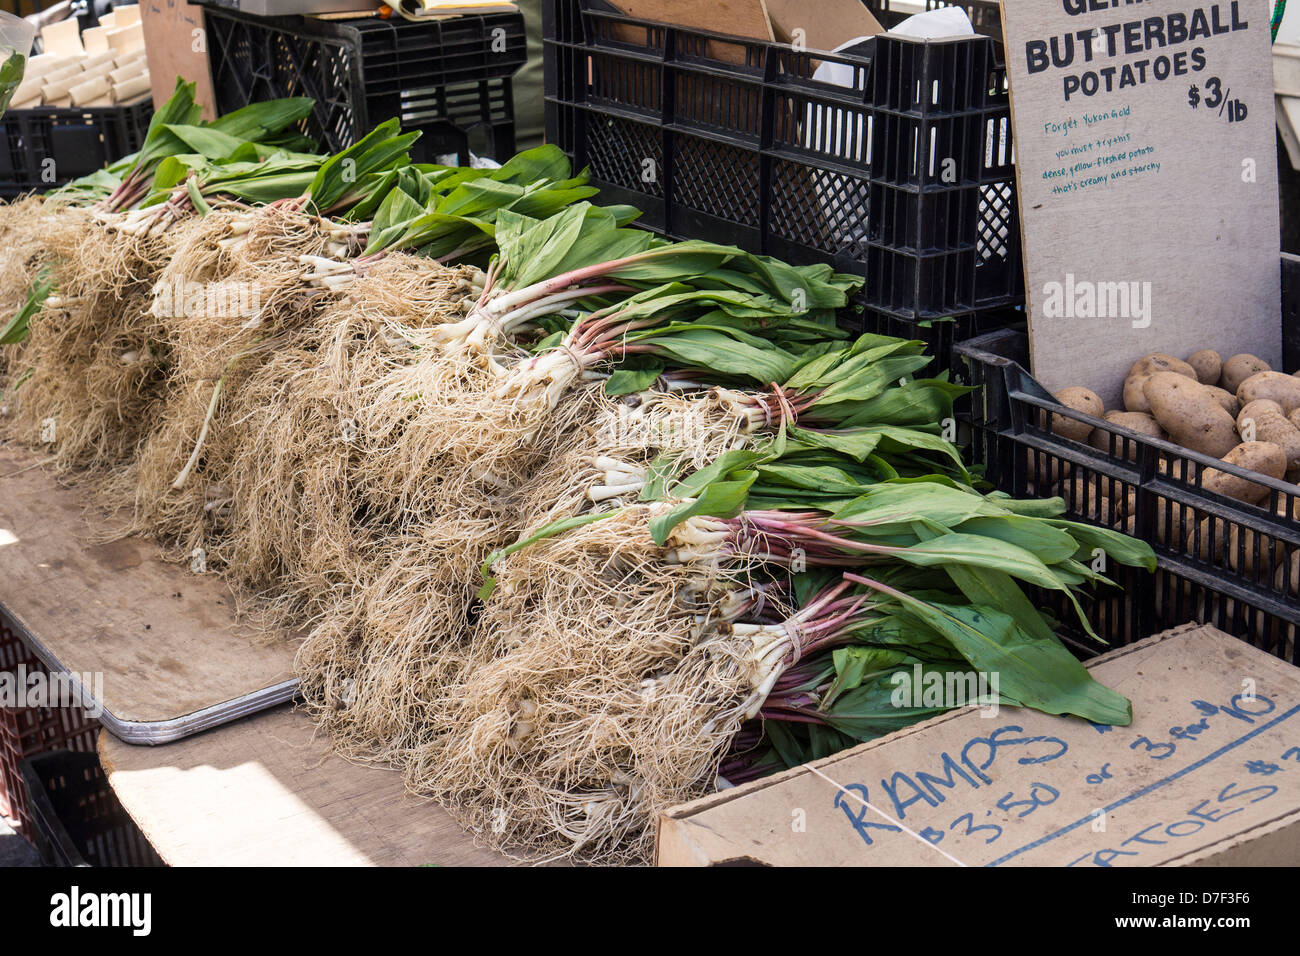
point(177, 44)
point(1208, 772)
point(1147, 174)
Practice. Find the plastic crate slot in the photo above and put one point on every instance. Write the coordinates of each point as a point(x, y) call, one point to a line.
point(629, 84)
point(77, 819)
point(700, 185)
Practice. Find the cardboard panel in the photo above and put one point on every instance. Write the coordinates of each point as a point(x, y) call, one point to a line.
point(1147, 171)
point(823, 27)
point(176, 49)
point(737, 18)
point(63, 38)
point(1208, 772)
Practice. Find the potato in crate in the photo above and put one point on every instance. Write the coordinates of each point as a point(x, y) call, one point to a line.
point(1201, 462)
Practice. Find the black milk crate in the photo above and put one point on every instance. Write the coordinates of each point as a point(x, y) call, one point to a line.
point(48, 146)
point(448, 78)
point(905, 176)
point(1221, 561)
point(985, 17)
point(78, 819)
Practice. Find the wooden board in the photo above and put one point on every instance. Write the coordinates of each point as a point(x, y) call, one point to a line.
point(175, 49)
point(165, 641)
point(1150, 224)
point(267, 792)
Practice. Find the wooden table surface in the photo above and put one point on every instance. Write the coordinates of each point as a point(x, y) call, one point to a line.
point(266, 791)
point(166, 641)
point(263, 790)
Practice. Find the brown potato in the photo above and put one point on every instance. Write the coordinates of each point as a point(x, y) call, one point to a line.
point(1047, 469)
point(1135, 399)
point(1172, 520)
point(1080, 400)
point(1276, 386)
point(1227, 401)
point(1190, 414)
point(1208, 365)
point(1179, 469)
point(1287, 577)
point(1239, 368)
point(1159, 362)
point(1207, 539)
point(1262, 420)
point(1263, 457)
point(1134, 421)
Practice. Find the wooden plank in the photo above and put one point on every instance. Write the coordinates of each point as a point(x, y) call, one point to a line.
point(166, 641)
point(1147, 172)
point(266, 791)
point(176, 41)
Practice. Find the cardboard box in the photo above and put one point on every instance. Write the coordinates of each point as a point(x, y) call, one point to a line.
point(63, 38)
point(1208, 774)
point(825, 26)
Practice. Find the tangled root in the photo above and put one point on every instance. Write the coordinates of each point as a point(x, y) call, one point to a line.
point(569, 728)
point(349, 474)
point(25, 251)
point(231, 300)
point(96, 361)
point(683, 433)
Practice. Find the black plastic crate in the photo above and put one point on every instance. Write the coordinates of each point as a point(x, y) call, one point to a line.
point(449, 78)
point(905, 177)
point(48, 146)
point(1222, 561)
point(79, 820)
point(28, 731)
point(985, 15)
